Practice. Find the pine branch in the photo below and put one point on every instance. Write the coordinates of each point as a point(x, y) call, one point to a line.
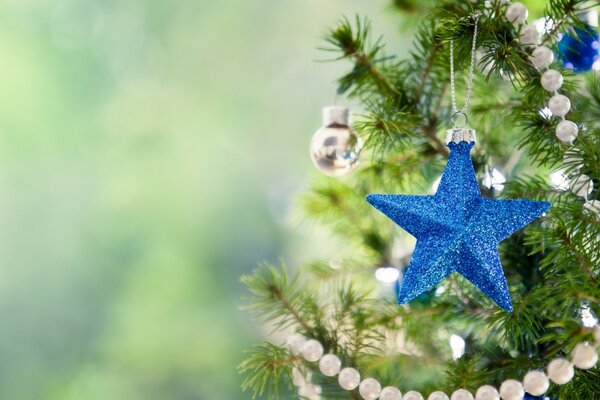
point(277, 298)
point(268, 371)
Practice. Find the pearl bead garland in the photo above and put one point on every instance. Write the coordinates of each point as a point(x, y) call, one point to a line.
point(296, 341)
point(438, 395)
point(413, 395)
point(369, 389)
point(390, 393)
point(487, 392)
point(551, 80)
point(560, 371)
point(312, 350)
point(511, 389)
point(541, 57)
point(349, 378)
point(461, 394)
point(517, 13)
point(584, 356)
point(535, 382)
point(559, 105)
point(330, 365)
point(529, 35)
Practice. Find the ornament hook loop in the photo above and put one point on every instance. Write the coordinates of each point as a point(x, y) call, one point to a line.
point(459, 119)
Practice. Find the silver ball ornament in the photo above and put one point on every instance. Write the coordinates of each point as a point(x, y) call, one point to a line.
point(511, 389)
point(330, 365)
point(438, 395)
point(369, 389)
point(559, 105)
point(461, 394)
point(517, 13)
point(349, 378)
point(560, 371)
point(566, 131)
point(584, 356)
point(542, 57)
point(413, 395)
point(487, 392)
point(312, 350)
point(390, 393)
point(335, 148)
point(536, 383)
point(551, 80)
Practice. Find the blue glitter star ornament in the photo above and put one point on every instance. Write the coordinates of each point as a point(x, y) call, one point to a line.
point(457, 230)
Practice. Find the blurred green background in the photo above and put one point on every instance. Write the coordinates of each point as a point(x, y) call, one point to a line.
point(149, 151)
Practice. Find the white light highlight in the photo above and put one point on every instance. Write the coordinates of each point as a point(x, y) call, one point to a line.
point(387, 274)
point(457, 344)
point(545, 113)
point(494, 179)
point(436, 184)
point(587, 318)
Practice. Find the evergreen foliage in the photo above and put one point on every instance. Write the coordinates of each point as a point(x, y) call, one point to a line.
point(552, 266)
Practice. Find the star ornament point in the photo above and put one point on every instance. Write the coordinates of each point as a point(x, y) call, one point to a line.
point(457, 230)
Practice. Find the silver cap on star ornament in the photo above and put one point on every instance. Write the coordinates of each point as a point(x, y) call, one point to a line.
point(458, 135)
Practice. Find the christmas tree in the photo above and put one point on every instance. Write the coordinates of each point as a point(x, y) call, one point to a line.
point(538, 138)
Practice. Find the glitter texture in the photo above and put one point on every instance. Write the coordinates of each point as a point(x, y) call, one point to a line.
point(457, 230)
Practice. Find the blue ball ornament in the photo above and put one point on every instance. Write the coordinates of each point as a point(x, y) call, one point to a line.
point(531, 397)
point(579, 48)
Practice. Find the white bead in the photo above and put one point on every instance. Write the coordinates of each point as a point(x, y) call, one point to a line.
point(349, 378)
point(390, 393)
point(461, 394)
point(582, 185)
point(295, 342)
point(584, 356)
point(511, 390)
point(529, 35)
point(413, 395)
point(566, 131)
point(369, 389)
point(438, 395)
point(516, 13)
point(312, 350)
point(560, 371)
point(487, 392)
point(542, 57)
point(536, 383)
point(310, 392)
point(594, 206)
point(559, 105)
point(300, 377)
point(552, 80)
point(330, 365)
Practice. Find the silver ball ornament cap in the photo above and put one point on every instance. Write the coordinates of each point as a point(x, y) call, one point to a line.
point(336, 115)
